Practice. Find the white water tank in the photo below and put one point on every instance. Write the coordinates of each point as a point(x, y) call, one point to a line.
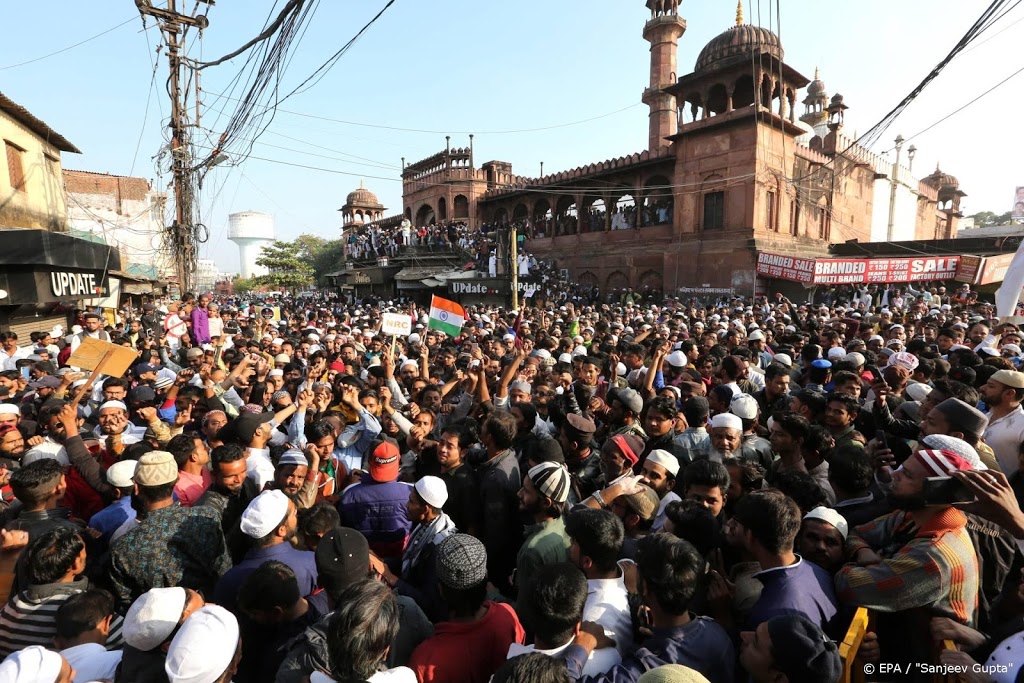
point(251, 231)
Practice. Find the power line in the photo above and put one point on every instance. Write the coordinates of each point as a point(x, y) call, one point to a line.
point(69, 47)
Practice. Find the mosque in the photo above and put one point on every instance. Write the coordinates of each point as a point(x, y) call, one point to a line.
point(733, 176)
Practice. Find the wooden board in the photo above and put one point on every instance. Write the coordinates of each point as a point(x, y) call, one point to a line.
point(109, 359)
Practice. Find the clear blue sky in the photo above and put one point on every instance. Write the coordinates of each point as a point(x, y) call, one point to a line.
point(457, 65)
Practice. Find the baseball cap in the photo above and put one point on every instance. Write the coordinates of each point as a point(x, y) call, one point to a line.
point(384, 462)
point(247, 423)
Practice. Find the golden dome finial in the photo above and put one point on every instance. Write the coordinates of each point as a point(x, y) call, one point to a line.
point(361, 184)
point(816, 74)
point(739, 12)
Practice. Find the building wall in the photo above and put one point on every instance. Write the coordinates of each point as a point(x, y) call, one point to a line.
point(40, 204)
point(206, 275)
point(125, 213)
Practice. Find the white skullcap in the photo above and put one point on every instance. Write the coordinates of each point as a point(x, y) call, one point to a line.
point(783, 359)
point(959, 446)
point(114, 404)
point(743, 406)
point(727, 421)
point(204, 647)
point(153, 617)
point(9, 409)
point(414, 338)
point(667, 461)
point(565, 358)
point(276, 372)
point(265, 513)
point(276, 341)
point(313, 337)
point(918, 391)
point(904, 360)
point(121, 473)
point(830, 516)
point(433, 491)
point(836, 353)
point(756, 335)
point(409, 364)
point(34, 664)
point(677, 359)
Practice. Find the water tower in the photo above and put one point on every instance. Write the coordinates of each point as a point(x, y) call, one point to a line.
point(251, 231)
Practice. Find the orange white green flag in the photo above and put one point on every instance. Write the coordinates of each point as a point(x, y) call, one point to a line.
point(446, 316)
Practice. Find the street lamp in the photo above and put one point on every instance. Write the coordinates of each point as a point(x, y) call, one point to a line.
point(893, 183)
point(911, 152)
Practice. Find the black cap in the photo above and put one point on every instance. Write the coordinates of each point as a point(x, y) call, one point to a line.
point(342, 559)
point(141, 394)
point(148, 307)
point(247, 423)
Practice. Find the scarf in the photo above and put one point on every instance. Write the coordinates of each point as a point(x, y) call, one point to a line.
point(440, 528)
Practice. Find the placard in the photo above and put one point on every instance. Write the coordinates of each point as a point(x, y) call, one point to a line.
point(785, 267)
point(396, 324)
point(109, 359)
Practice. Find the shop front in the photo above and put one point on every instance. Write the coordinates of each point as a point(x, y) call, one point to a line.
point(44, 276)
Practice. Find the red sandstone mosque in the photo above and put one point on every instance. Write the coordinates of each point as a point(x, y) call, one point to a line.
point(732, 173)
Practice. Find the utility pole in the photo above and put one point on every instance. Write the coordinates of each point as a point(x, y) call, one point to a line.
point(182, 230)
point(515, 267)
point(894, 183)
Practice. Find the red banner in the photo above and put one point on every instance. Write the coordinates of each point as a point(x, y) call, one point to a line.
point(785, 267)
point(857, 271)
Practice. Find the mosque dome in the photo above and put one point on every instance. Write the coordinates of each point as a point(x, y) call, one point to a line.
point(741, 40)
point(362, 197)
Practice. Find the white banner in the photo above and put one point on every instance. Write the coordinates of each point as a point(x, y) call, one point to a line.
point(397, 324)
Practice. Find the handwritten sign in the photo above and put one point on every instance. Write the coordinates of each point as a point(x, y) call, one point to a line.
point(397, 324)
point(108, 359)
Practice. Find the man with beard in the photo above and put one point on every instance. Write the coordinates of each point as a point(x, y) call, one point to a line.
point(752, 446)
point(822, 537)
point(297, 476)
point(624, 412)
point(229, 494)
point(542, 500)
point(927, 560)
point(271, 522)
point(582, 462)
point(618, 455)
point(171, 545)
point(725, 438)
point(659, 473)
point(12, 447)
point(1003, 392)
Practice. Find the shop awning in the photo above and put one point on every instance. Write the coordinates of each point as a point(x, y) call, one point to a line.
point(39, 266)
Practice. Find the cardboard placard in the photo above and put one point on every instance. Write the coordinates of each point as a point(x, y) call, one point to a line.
point(103, 357)
point(397, 324)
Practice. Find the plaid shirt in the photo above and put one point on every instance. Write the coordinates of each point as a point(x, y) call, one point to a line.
point(932, 566)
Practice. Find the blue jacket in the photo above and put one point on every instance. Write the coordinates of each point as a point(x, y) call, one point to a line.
point(803, 587)
point(702, 645)
point(302, 562)
point(377, 510)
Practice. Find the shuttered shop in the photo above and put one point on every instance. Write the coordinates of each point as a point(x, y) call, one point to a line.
point(26, 326)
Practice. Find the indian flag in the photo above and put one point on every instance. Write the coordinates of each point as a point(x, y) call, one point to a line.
point(446, 316)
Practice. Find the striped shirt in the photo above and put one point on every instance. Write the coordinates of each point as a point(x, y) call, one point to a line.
point(30, 617)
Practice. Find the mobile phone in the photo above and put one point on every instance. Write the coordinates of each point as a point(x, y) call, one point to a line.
point(946, 491)
point(876, 374)
point(26, 372)
point(883, 442)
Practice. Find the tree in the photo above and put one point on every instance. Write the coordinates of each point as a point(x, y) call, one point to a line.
point(984, 219)
point(243, 285)
point(289, 269)
point(324, 256)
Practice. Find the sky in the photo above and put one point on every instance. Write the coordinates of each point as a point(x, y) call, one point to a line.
point(494, 69)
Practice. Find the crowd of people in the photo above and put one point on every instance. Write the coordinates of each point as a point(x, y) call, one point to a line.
point(376, 241)
point(625, 488)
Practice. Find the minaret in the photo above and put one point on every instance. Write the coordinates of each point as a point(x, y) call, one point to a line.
point(816, 106)
point(662, 31)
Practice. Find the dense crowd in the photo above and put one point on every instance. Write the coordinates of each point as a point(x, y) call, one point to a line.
point(376, 241)
point(625, 488)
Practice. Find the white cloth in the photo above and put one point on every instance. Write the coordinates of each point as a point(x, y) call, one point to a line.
point(92, 662)
point(11, 362)
point(47, 449)
point(1004, 437)
point(259, 467)
point(599, 662)
point(399, 674)
point(659, 520)
point(608, 604)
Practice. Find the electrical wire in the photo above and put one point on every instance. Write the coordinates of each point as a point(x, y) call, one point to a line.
point(69, 47)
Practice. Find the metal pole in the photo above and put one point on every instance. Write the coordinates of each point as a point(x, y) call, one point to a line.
point(515, 269)
point(893, 183)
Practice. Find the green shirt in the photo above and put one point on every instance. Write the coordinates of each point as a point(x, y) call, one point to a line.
point(545, 543)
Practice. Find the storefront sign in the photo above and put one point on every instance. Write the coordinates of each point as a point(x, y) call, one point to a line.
point(912, 269)
point(66, 285)
point(969, 268)
point(708, 290)
point(995, 268)
point(857, 271)
point(839, 271)
point(470, 287)
point(785, 267)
